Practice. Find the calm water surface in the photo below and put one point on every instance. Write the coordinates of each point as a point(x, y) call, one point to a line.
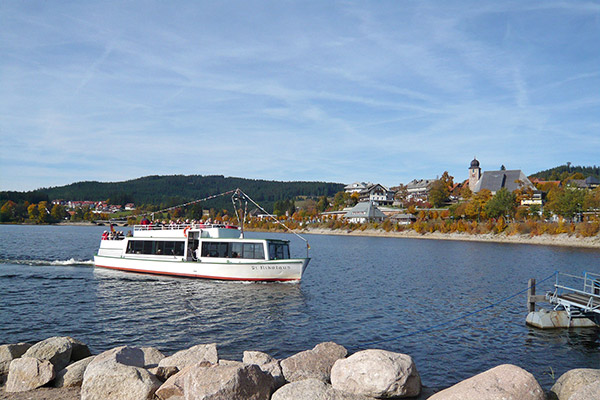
point(356, 291)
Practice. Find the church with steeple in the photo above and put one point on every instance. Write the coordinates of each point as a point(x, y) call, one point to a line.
point(496, 180)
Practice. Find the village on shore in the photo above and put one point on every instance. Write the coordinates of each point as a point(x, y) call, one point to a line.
point(491, 205)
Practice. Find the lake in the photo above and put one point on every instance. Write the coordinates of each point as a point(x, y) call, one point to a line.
point(360, 292)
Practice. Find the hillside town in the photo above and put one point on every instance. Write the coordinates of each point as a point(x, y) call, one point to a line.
point(496, 197)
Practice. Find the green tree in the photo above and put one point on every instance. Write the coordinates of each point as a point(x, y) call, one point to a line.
point(566, 202)
point(322, 204)
point(58, 213)
point(439, 193)
point(7, 212)
point(502, 204)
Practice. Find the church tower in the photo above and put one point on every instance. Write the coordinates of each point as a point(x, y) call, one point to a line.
point(474, 173)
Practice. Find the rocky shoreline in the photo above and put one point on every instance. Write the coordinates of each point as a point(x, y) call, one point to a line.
point(544, 240)
point(64, 368)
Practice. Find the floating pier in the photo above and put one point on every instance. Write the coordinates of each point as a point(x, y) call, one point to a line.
point(575, 301)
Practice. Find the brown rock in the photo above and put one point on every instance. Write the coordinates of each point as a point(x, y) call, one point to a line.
point(315, 363)
point(377, 373)
point(152, 357)
point(56, 349)
point(227, 382)
point(503, 382)
point(27, 373)
point(313, 389)
point(9, 352)
point(192, 356)
point(572, 380)
point(79, 349)
point(72, 374)
point(163, 373)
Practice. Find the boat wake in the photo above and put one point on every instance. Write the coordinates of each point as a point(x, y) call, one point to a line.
point(69, 262)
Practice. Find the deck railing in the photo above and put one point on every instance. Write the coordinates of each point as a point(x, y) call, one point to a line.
point(173, 227)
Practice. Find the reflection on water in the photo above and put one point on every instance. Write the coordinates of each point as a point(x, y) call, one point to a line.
point(196, 311)
point(356, 291)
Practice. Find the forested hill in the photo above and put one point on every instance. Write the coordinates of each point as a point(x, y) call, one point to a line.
point(564, 171)
point(176, 189)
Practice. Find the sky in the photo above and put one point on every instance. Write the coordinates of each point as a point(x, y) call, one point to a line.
point(336, 91)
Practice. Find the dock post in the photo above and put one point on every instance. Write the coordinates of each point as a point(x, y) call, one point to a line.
point(531, 295)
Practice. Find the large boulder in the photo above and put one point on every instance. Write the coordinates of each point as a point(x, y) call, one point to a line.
point(267, 364)
point(587, 392)
point(72, 374)
point(9, 352)
point(192, 356)
point(313, 389)
point(56, 349)
point(499, 383)
point(173, 388)
point(572, 380)
point(226, 382)
point(152, 356)
point(79, 349)
point(118, 374)
point(377, 373)
point(315, 363)
point(132, 356)
point(27, 373)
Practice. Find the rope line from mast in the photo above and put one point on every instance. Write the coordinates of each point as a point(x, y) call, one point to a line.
point(239, 191)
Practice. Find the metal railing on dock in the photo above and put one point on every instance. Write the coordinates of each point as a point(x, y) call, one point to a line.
point(578, 295)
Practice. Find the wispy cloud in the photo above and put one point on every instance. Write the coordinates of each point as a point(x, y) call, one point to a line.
point(378, 91)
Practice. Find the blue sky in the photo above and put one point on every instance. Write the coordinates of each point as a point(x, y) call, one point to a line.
point(381, 91)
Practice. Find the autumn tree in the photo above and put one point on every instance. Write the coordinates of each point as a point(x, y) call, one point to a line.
point(475, 208)
point(33, 212)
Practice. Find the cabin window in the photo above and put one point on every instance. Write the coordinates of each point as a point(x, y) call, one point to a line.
point(253, 250)
point(279, 251)
point(215, 249)
point(155, 247)
point(233, 250)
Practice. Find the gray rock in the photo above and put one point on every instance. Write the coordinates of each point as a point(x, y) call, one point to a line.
point(72, 374)
point(27, 373)
point(315, 363)
point(192, 356)
point(502, 382)
point(267, 364)
point(56, 349)
point(587, 392)
point(9, 352)
point(313, 389)
point(377, 373)
point(572, 380)
point(132, 356)
point(110, 380)
point(118, 374)
point(256, 357)
point(227, 382)
point(152, 357)
point(79, 350)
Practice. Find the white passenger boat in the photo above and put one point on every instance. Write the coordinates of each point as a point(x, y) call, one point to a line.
point(200, 251)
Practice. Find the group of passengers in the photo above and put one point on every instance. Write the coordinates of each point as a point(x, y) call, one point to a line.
point(113, 235)
point(174, 224)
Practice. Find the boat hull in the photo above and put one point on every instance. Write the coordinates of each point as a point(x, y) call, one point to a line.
point(267, 270)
